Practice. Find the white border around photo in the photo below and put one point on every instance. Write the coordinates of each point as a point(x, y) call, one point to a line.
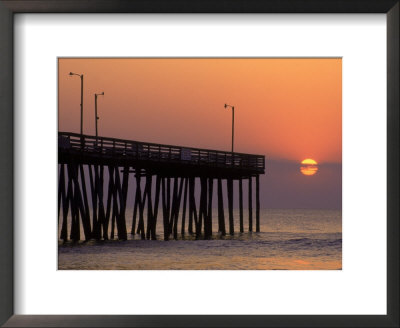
point(360, 288)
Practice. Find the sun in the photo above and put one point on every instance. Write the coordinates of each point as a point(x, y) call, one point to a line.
point(309, 167)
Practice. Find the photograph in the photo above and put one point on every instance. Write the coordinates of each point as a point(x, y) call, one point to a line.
point(199, 163)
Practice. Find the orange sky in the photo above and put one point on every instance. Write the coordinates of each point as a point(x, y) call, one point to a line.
point(284, 108)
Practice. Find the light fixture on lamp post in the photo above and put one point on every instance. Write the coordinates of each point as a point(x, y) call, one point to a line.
point(96, 118)
point(81, 76)
point(233, 121)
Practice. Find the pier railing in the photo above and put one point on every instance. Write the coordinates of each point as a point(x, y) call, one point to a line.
point(135, 150)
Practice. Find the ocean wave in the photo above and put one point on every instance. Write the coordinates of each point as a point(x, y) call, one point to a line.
point(312, 243)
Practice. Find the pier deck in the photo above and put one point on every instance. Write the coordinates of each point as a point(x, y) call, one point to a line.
point(158, 158)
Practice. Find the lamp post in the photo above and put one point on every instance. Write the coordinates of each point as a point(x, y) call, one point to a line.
point(96, 118)
point(81, 76)
point(233, 121)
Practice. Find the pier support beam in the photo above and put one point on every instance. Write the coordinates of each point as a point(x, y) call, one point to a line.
point(85, 200)
point(192, 206)
point(74, 232)
point(221, 215)
point(241, 204)
point(124, 195)
point(121, 192)
point(110, 200)
point(65, 198)
point(257, 203)
point(184, 206)
point(178, 206)
point(208, 222)
point(102, 212)
point(203, 205)
point(61, 187)
point(141, 201)
point(164, 196)
point(230, 205)
point(168, 199)
point(93, 184)
point(173, 205)
point(155, 210)
point(108, 207)
point(149, 205)
point(80, 208)
point(136, 202)
point(250, 205)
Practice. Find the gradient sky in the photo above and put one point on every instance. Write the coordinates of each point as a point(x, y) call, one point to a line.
point(286, 109)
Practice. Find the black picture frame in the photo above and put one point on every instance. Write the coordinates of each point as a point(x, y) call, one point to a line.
point(10, 7)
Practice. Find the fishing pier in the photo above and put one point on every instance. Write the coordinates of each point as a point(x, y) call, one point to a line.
point(94, 175)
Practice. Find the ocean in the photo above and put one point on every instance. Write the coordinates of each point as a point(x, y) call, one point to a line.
point(290, 239)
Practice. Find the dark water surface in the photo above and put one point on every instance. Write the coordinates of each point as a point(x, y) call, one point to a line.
point(289, 239)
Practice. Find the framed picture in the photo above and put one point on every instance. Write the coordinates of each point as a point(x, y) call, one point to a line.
point(231, 171)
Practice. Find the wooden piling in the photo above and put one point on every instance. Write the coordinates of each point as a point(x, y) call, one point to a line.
point(85, 198)
point(136, 203)
point(98, 194)
point(173, 205)
point(165, 208)
point(221, 215)
point(230, 205)
point(102, 212)
point(184, 206)
point(115, 210)
point(192, 205)
point(124, 194)
point(85, 216)
point(79, 207)
point(118, 197)
point(94, 201)
point(177, 208)
point(208, 216)
point(195, 212)
point(149, 205)
point(141, 201)
point(74, 232)
point(65, 197)
point(61, 188)
point(257, 203)
point(250, 205)
point(190, 223)
point(203, 205)
point(168, 201)
point(109, 203)
point(241, 204)
point(155, 210)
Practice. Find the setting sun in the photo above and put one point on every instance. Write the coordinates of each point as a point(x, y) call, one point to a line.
point(309, 167)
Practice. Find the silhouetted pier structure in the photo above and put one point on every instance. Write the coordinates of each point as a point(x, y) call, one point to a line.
point(84, 156)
